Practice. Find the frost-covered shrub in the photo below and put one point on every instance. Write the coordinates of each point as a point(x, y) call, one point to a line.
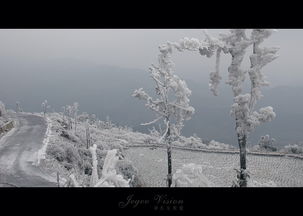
point(109, 175)
point(194, 142)
point(83, 117)
point(191, 175)
point(69, 135)
point(107, 124)
point(191, 142)
point(218, 145)
point(128, 171)
point(84, 153)
point(109, 145)
point(72, 155)
point(265, 144)
point(68, 155)
point(292, 149)
point(86, 160)
point(56, 152)
point(115, 145)
point(67, 165)
point(87, 167)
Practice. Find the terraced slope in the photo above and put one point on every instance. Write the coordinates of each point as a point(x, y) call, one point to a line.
point(218, 167)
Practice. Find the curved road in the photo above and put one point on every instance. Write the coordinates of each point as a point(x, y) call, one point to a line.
point(17, 153)
point(218, 167)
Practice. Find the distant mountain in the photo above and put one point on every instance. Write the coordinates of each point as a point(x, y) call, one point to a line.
point(106, 91)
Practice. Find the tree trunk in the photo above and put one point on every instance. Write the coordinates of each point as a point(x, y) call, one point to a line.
point(242, 175)
point(169, 161)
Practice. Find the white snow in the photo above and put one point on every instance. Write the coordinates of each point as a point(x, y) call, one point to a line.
point(191, 175)
point(41, 153)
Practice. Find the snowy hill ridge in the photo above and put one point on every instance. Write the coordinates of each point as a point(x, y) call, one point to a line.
point(67, 151)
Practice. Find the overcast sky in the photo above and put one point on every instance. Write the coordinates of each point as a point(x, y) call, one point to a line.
point(138, 48)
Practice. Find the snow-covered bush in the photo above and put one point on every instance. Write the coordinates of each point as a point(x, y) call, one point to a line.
point(65, 153)
point(72, 155)
point(69, 150)
point(292, 149)
point(128, 171)
point(191, 175)
point(194, 142)
point(114, 172)
point(265, 144)
point(109, 145)
point(218, 145)
point(109, 177)
point(83, 117)
point(57, 152)
point(69, 135)
point(191, 142)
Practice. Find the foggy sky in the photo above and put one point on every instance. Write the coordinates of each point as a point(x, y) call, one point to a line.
point(64, 66)
point(138, 48)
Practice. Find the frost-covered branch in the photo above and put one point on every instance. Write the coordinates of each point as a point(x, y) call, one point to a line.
point(259, 58)
point(236, 43)
point(152, 122)
point(172, 102)
point(167, 83)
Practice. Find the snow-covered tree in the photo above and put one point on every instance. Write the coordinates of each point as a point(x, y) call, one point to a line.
point(70, 112)
point(236, 44)
point(18, 107)
point(45, 107)
point(172, 102)
point(63, 113)
point(75, 112)
point(2, 109)
point(87, 134)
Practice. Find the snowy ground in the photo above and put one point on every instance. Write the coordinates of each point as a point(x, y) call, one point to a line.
point(219, 168)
